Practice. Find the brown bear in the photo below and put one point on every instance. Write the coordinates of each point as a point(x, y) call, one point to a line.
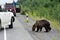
point(40, 24)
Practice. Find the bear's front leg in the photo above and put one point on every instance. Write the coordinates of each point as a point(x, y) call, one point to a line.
point(41, 29)
point(37, 29)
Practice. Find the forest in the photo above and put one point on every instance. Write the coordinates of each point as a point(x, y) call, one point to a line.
point(42, 9)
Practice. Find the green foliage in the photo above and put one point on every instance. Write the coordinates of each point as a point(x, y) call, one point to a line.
point(46, 5)
point(49, 9)
point(43, 8)
point(23, 12)
point(51, 0)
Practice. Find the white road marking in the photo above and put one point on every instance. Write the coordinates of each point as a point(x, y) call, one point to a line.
point(5, 35)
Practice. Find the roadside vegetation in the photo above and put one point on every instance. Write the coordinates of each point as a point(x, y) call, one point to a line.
point(43, 9)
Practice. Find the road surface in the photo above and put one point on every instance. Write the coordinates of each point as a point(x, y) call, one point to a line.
point(17, 33)
point(22, 31)
point(52, 35)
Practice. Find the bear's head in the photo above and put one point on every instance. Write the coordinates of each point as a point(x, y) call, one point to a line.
point(33, 28)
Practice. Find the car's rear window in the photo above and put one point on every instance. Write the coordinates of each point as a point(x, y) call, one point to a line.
point(8, 6)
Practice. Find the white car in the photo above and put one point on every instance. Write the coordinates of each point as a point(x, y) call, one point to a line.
point(6, 18)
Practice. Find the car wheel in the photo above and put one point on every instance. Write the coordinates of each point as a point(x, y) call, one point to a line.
point(13, 19)
point(11, 25)
point(0, 23)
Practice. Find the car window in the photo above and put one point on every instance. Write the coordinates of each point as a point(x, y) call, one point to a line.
point(2, 10)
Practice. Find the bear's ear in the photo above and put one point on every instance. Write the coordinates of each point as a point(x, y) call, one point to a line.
point(37, 21)
point(34, 25)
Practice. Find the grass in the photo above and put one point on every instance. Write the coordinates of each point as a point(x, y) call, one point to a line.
point(54, 23)
point(53, 38)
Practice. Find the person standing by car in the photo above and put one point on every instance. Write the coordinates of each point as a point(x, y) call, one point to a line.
point(13, 11)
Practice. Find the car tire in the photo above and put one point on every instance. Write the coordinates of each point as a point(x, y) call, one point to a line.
point(11, 25)
point(0, 23)
point(13, 19)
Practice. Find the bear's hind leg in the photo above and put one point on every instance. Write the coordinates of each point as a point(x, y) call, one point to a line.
point(46, 29)
point(49, 28)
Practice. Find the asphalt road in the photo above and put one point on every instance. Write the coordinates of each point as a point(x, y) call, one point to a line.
point(22, 31)
point(17, 33)
point(52, 35)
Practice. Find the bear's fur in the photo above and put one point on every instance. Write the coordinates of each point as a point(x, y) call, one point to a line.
point(40, 24)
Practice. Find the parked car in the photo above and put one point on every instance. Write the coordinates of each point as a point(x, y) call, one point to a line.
point(10, 7)
point(6, 19)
